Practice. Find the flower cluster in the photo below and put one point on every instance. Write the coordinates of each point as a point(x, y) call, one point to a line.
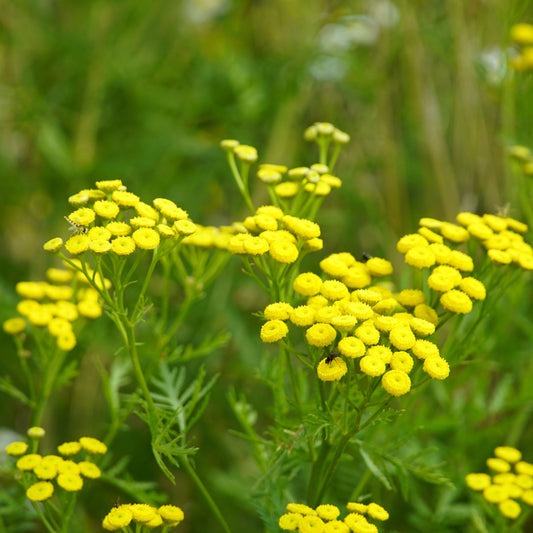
point(280, 235)
point(121, 516)
point(111, 219)
point(39, 471)
point(511, 482)
point(325, 518)
point(56, 304)
point(522, 37)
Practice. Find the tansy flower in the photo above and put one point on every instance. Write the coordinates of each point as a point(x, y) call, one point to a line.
point(454, 233)
point(165, 231)
point(125, 198)
point(359, 310)
point(334, 266)
point(510, 509)
point(367, 333)
point(14, 326)
point(142, 512)
point(436, 367)
point(146, 238)
point(401, 361)
point(68, 467)
point(478, 481)
point(171, 513)
point(142, 222)
point(336, 526)
point(273, 331)
point(333, 370)
point(77, 244)
point(441, 251)
point(106, 209)
point(320, 334)
point(430, 235)
point(123, 246)
point(245, 153)
point(413, 240)
point(306, 229)
point(45, 470)
point(424, 349)
point(108, 185)
point(169, 209)
point(499, 257)
point(155, 522)
point(303, 315)
point(89, 470)
point(255, 245)
point(402, 337)
point(377, 512)
point(118, 229)
point(266, 222)
point(82, 216)
point(333, 289)
point(118, 518)
point(461, 261)
point(70, 482)
point(372, 366)
point(146, 211)
point(411, 297)
point(357, 277)
point(368, 296)
point(427, 313)
point(99, 232)
point(300, 508)
point(283, 251)
point(480, 230)
point(17, 448)
point(351, 347)
point(444, 278)
point(278, 310)
point(53, 245)
point(100, 246)
point(327, 313)
point(508, 453)
point(66, 341)
point(311, 524)
point(383, 352)
point(271, 210)
point(307, 284)
point(495, 493)
point(498, 465)
point(344, 323)
point(287, 189)
point(420, 257)
point(69, 448)
point(396, 382)
point(28, 462)
point(40, 491)
point(421, 327)
point(328, 511)
point(379, 267)
point(456, 301)
point(93, 445)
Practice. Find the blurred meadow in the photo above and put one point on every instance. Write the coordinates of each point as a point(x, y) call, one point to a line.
point(144, 92)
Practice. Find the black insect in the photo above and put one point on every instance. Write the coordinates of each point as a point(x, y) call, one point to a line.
point(365, 256)
point(331, 356)
point(76, 228)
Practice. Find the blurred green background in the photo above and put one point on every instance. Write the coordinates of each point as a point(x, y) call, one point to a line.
point(144, 92)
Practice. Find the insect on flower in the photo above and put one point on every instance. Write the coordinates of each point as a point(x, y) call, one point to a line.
point(365, 256)
point(331, 356)
point(77, 229)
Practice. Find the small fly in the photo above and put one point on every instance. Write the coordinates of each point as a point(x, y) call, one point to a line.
point(365, 256)
point(77, 229)
point(331, 356)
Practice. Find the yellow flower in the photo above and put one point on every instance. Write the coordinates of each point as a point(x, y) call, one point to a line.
point(69, 448)
point(498, 465)
point(424, 349)
point(17, 448)
point(40, 491)
point(169, 209)
point(336, 526)
point(185, 227)
point(93, 445)
point(306, 229)
point(100, 246)
point(527, 497)
point(45, 470)
point(82, 216)
point(265, 222)
point(118, 229)
point(14, 326)
point(246, 153)
point(166, 231)
point(89, 470)
point(411, 297)
point(146, 238)
point(311, 524)
point(401, 361)
point(377, 512)
point(495, 493)
point(40, 316)
point(430, 235)
point(118, 518)
point(372, 366)
point(59, 326)
point(510, 509)
point(106, 209)
point(508, 453)
point(327, 313)
point(444, 278)
point(333, 289)
point(441, 251)
point(320, 334)
point(53, 245)
point(460, 261)
point(396, 382)
point(287, 189)
point(255, 245)
point(402, 337)
point(413, 240)
point(480, 230)
point(66, 341)
point(28, 462)
point(368, 296)
point(427, 313)
point(70, 482)
point(300, 508)
point(454, 233)
point(278, 310)
point(499, 257)
point(359, 310)
point(379, 267)
point(77, 244)
point(142, 512)
point(109, 185)
point(335, 266)
point(436, 367)
point(456, 301)
point(289, 521)
point(171, 513)
point(421, 326)
point(123, 246)
point(125, 198)
point(357, 507)
point(352, 347)
point(522, 33)
point(303, 316)
point(283, 251)
point(478, 481)
point(362, 526)
point(328, 511)
point(142, 222)
point(307, 284)
point(332, 371)
point(383, 352)
point(271, 210)
point(420, 257)
point(273, 331)
point(344, 323)
point(368, 333)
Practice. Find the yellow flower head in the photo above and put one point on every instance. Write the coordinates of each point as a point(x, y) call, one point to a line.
point(320, 334)
point(372, 365)
point(377, 512)
point(498, 464)
point(118, 518)
point(28, 462)
point(278, 310)
point(247, 154)
point(495, 493)
point(118, 229)
point(328, 511)
point(17, 448)
point(300, 508)
point(123, 246)
point(69, 448)
point(70, 482)
point(413, 240)
point(40, 491)
point(379, 267)
point(171, 513)
point(89, 470)
point(303, 315)
point(307, 284)
point(456, 301)
point(169, 209)
point(478, 481)
point(332, 370)
point(368, 333)
point(14, 326)
point(411, 297)
point(426, 313)
point(510, 509)
point(283, 251)
point(125, 198)
point(508, 453)
point(106, 209)
point(424, 349)
point(402, 337)
point(287, 189)
point(289, 521)
point(273, 331)
point(142, 222)
point(351, 347)
point(93, 445)
point(401, 361)
point(146, 238)
point(311, 524)
point(420, 257)
point(53, 245)
point(333, 289)
point(436, 367)
point(255, 245)
point(100, 246)
point(396, 382)
point(142, 512)
point(77, 244)
point(460, 261)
